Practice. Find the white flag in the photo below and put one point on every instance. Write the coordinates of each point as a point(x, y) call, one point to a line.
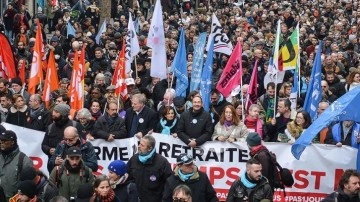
point(101, 30)
point(132, 45)
point(222, 44)
point(156, 41)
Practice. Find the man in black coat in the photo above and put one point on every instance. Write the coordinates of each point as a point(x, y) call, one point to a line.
point(218, 103)
point(149, 170)
point(195, 126)
point(140, 119)
point(187, 173)
point(38, 118)
point(110, 126)
point(349, 187)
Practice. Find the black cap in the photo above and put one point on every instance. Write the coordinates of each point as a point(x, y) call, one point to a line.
point(73, 151)
point(184, 159)
point(179, 101)
point(8, 135)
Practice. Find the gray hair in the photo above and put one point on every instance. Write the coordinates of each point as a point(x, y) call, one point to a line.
point(85, 113)
point(151, 140)
point(140, 97)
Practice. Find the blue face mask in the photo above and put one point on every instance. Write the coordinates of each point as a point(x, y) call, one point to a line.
point(185, 177)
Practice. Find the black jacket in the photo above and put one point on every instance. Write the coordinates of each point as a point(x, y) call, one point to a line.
point(273, 131)
point(199, 183)
point(342, 197)
point(261, 191)
point(218, 109)
point(40, 120)
point(144, 76)
point(197, 125)
point(87, 129)
point(104, 126)
point(145, 121)
point(46, 190)
point(127, 191)
point(150, 177)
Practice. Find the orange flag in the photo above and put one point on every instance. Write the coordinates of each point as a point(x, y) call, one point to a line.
point(51, 80)
point(76, 89)
point(119, 76)
point(36, 73)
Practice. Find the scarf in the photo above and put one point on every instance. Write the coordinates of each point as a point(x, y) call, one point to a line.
point(165, 125)
point(36, 112)
point(246, 181)
point(110, 196)
point(185, 177)
point(96, 115)
point(143, 158)
point(256, 149)
point(254, 124)
point(110, 120)
point(122, 180)
point(227, 123)
point(270, 110)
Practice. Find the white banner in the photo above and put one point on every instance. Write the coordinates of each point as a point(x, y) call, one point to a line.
point(316, 174)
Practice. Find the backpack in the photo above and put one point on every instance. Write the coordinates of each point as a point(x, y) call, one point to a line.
point(282, 176)
point(60, 170)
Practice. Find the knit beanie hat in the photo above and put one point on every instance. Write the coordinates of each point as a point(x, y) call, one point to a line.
point(63, 109)
point(118, 167)
point(27, 188)
point(253, 139)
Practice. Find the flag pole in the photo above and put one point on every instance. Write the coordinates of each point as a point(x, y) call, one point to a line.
point(136, 71)
point(275, 94)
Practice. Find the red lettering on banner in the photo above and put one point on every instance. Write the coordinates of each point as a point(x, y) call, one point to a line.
point(300, 176)
point(37, 161)
point(98, 172)
point(338, 174)
point(216, 173)
point(317, 175)
point(232, 173)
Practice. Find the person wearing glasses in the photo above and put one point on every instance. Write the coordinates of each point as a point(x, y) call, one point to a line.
point(182, 193)
point(187, 173)
point(296, 127)
point(72, 139)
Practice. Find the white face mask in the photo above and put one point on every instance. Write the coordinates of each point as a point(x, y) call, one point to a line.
point(57, 57)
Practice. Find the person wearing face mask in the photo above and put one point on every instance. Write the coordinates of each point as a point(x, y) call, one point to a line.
point(124, 188)
point(149, 170)
point(110, 126)
point(186, 172)
point(55, 132)
point(72, 139)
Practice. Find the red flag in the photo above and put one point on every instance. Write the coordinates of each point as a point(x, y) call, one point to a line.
point(51, 80)
point(22, 70)
point(119, 76)
point(231, 77)
point(251, 96)
point(76, 90)
point(36, 73)
point(7, 62)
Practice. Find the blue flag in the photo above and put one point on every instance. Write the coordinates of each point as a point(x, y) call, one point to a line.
point(313, 94)
point(179, 67)
point(70, 29)
point(344, 108)
point(198, 61)
point(206, 77)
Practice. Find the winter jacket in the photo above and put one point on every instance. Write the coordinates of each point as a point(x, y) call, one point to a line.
point(342, 197)
point(199, 183)
point(261, 191)
point(127, 191)
point(145, 121)
point(239, 132)
point(217, 109)
point(69, 180)
point(150, 177)
point(8, 174)
point(17, 116)
point(105, 126)
point(87, 154)
point(261, 153)
point(195, 125)
point(38, 120)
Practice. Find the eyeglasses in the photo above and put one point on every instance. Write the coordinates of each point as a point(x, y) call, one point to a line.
point(69, 139)
point(176, 199)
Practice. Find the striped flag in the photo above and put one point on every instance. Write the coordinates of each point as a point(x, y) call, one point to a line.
point(222, 44)
point(51, 80)
point(36, 72)
point(119, 76)
point(289, 52)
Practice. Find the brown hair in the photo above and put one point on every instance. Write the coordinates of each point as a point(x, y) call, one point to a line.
point(235, 118)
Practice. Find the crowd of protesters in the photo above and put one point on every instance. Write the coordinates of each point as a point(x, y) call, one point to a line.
point(152, 105)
